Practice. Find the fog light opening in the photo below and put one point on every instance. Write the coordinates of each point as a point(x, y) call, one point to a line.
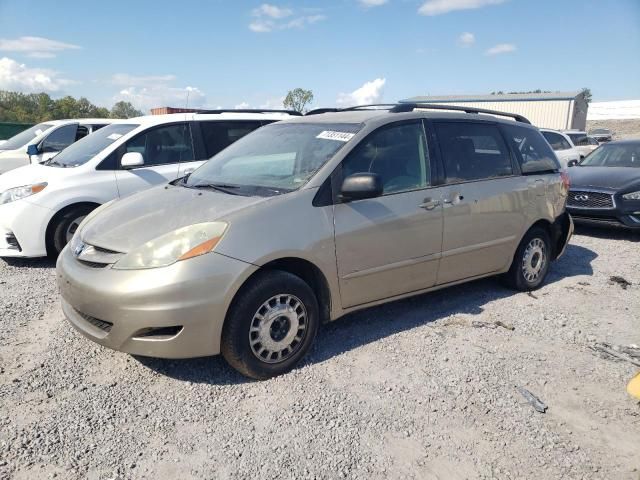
point(12, 242)
point(158, 333)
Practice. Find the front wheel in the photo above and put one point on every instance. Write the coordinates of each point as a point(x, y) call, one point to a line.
point(270, 325)
point(65, 227)
point(531, 261)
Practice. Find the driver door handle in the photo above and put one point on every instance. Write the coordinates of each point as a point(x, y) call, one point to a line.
point(429, 204)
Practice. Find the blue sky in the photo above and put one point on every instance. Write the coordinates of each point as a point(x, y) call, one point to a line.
point(250, 53)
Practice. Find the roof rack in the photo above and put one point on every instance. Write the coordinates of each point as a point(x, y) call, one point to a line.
point(251, 110)
point(410, 107)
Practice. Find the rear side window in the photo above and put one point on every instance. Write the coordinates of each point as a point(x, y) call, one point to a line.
point(163, 145)
point(531, 150)
point(557, 141)
point(219, 135)
point(472, 151)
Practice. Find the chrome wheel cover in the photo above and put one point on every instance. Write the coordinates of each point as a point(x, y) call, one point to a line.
point(534, 260)
point(278, 328)
point(73, 227)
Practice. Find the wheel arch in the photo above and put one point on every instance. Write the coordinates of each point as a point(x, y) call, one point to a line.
point(48, 236)
point(310, 273)
point(558, 231)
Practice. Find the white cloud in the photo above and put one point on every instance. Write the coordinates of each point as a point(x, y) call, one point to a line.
point(372, 3)
point(36, 47)
point(438, 7)
point(146, 92)
point(124, 79)
point(370, 92)
point(501, 48)
point(273, 103)
point(19, 77)
point(466, 39)
point(272, 11)
point(269, 18)
point(242, 105)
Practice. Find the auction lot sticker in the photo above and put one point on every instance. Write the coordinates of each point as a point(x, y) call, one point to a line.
point(338, 136)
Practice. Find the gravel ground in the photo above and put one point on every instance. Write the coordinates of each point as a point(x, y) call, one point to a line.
point(408, 390)
point(622, 129)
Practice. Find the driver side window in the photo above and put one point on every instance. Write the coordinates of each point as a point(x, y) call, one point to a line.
point(163, 145)
point(397, 153)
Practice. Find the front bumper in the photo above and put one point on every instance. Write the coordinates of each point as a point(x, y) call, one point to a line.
point(23, 226)
point(183, 306)
point(614, 218)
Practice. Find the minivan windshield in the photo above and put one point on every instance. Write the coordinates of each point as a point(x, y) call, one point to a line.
point(23, 138)
point(84, 150)
point(614, 155)
point(274, 159)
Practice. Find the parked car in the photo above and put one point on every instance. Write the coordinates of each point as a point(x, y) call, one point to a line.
point(45, 140)
point(582, 142)
point(305, 220)
point(41, 206)
point(605, 186)
point(602, 134)
point(562, 145)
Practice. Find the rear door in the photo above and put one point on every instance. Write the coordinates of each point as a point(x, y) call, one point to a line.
point(485, 200)
point(164, 148)
point(562, 147)
point(389, 245)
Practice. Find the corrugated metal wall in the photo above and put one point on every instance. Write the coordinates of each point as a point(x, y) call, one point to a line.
point(543, 114)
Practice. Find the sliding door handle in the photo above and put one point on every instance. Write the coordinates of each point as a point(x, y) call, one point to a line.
point(429, 204)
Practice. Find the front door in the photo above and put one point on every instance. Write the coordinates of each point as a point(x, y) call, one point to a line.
point(163, 148)
point(485, 200)
point(389, 245)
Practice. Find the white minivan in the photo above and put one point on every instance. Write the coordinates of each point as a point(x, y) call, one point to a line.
point(562, 145)
point(45, 140)
point(41, 205)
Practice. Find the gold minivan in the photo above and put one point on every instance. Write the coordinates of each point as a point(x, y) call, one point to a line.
point(305, 220)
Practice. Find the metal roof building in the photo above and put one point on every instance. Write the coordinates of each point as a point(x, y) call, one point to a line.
point(560, 111)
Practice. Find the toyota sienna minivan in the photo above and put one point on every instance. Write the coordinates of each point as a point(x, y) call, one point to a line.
point(307, 219)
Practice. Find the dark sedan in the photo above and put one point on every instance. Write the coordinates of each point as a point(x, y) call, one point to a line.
point(605, 186)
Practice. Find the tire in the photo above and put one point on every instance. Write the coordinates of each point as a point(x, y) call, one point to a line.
point(526, 272)
point(66, 225)
point(259, 338)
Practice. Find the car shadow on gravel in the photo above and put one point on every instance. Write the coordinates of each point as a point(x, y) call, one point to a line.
point(44, 262)
point(608, 233)
point(360, 328)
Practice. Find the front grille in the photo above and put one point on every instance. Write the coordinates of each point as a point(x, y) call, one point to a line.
point(101, 324)
point(584, 199)
point(93, 264)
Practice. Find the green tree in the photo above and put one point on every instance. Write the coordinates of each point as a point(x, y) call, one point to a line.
point(124, 110)
point(298, 99)
point(586, 93)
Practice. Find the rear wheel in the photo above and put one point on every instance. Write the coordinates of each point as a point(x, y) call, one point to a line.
point(270, 326)
point(66, 226)
point(531, 261)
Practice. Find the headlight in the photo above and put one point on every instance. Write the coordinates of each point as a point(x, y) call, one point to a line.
point(632, 196)
point(181, 244)
point(17, 193)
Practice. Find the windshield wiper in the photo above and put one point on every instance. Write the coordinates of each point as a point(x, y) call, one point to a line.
point(221, 187)
point(52, 162)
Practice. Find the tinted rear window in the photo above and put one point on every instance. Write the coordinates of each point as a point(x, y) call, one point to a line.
point(472, 151)
point(532, 151)
point(219, 135)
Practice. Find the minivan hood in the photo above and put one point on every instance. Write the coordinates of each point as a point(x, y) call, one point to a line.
point(147, 215)
point(613, 178)
point(30, 174)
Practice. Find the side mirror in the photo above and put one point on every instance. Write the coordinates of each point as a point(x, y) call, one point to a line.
point(33, 150)
point(132, 160)
point(572, 163)
point(360, 186)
